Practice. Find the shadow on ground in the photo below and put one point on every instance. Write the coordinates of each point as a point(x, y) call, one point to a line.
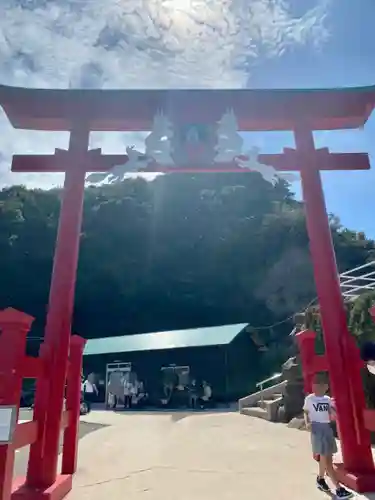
point(177, 415)
point(88, 427)
point(22, 455)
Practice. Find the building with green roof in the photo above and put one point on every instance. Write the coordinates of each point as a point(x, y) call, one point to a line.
point(226, 356)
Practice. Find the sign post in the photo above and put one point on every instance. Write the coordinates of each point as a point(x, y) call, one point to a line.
point(8, 422)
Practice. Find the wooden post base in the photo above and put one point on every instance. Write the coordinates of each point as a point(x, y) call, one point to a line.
point(358, 482)
point(60, 488)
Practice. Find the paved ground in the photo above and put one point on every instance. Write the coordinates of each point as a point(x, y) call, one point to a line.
point(202, 456)
point(22, 455)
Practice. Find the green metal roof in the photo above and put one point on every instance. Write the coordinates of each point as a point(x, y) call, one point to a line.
point(198, 337)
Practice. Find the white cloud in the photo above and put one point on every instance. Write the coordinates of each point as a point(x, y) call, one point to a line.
point(142, 44)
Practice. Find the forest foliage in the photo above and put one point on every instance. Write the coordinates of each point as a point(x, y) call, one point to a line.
point(181, 251)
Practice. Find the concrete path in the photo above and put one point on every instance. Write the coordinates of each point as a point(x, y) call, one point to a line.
point(22, 455)
point(202, 456)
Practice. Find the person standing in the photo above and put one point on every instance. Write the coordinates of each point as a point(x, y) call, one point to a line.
point(134, 393)
point(205, 400)
point(90, 391)
point(141, 394)
point(193, 394)
point(127, 394)
point(318, 412)
point(112, 399)
point(115, 389)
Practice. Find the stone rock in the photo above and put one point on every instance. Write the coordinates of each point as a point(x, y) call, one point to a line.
point(297, 423)
point(293, 397)
point(281, 416)
point(291, 371)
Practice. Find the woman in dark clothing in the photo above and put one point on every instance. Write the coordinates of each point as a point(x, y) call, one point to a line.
point(193, 394)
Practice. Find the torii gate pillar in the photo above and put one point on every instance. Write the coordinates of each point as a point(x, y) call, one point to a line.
point(350, 403)
point(60, 311)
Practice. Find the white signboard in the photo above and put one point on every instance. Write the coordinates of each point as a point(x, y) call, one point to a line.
point(8, 421)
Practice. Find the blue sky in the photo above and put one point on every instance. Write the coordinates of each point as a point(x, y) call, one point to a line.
point(194, 43)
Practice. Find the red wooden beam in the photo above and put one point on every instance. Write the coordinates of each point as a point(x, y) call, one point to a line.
point(132, 110)
point(288, 161)
point(320, 364)
point(32, 367)
point(62, 160)
point(291, 160)
point(25, 434)
point(95, 161)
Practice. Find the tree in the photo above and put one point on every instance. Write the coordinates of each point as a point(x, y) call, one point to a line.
point(361, 323)
point(181, 251)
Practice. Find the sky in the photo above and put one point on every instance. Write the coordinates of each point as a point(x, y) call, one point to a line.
point(193, 43)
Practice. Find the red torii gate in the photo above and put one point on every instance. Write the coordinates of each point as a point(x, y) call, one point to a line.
point(302, 111)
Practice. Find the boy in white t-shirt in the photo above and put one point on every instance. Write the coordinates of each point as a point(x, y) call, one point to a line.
point(318, 411)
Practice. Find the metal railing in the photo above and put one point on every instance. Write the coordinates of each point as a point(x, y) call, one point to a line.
point(358, 280)
point(262, 383)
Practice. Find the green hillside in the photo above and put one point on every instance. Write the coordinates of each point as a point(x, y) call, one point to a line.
point(178, 252)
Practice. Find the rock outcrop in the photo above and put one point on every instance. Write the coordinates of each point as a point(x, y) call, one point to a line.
point(293, 397)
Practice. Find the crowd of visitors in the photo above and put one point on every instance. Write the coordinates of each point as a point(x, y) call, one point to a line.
point(128, 392)
point(193, 395)
point(200, 394)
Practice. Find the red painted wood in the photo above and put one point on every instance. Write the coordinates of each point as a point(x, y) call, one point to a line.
point(14, 326)
point(94, 162)
point(320, 364)
point(31, 367)
point(354, 366)
point(40, 404)
point(133, 110)
point(306, 344)
point(292, 160)
point(361, 482)
point(73, 403)
point(59, 489)
point(25, 434)
point(97, 162)
point(43, 460)
point(357, 455)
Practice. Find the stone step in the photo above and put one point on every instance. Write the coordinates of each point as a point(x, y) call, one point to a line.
point(255, 411)
point(263, 404)
point(277, 395)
